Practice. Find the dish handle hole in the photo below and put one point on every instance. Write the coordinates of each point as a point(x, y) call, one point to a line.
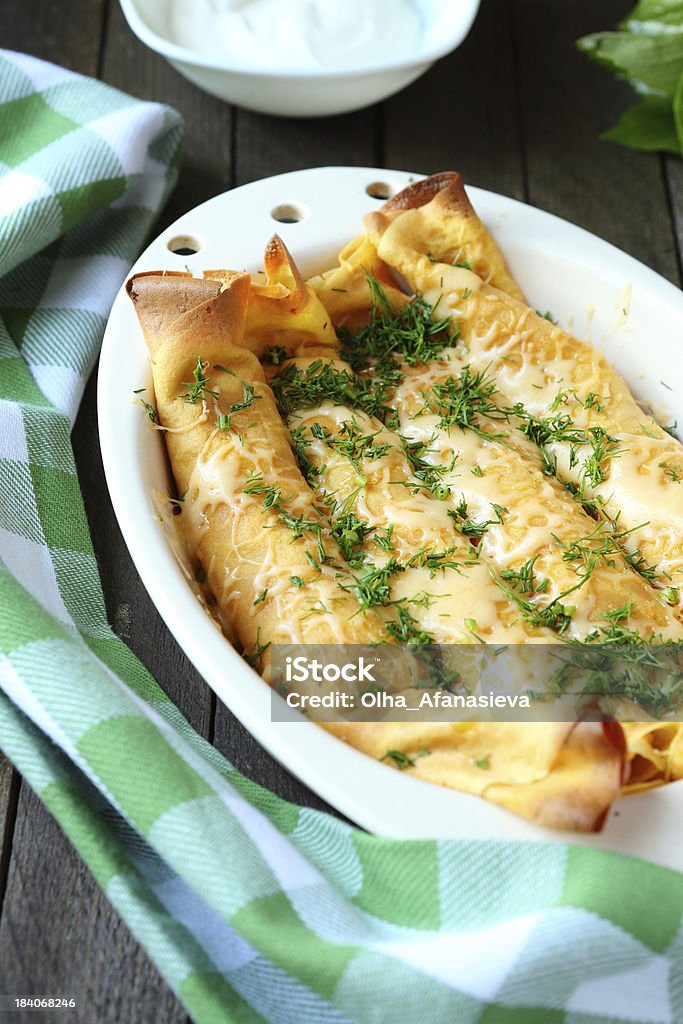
point(379, 190)
point(286, 213)
point(184, 245)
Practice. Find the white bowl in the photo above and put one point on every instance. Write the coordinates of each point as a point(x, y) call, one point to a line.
point(559, 267)
point(304, 93)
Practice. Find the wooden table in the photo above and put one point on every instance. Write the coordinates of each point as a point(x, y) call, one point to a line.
point(516, 110)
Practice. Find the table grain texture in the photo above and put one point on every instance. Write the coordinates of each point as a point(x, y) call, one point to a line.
point(517, 110)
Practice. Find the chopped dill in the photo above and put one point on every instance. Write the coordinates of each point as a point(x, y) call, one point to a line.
point(150, 410)
point(674, 471)
point(301, 443)
point(469, 527)
point(320, 382)
point(524, 579)
point(372, 587)
point(604, 447)
point(198, 386)
point(430, 475)
point(224, 420)
point(383, 538)
point(561, 398)
point(472, 627)
point(591, 401)
point(351, 442)
point(252, 657)
point(400, 759)
point(434, 561)
point(561, 429)
point(406, 630)
point(461, 401)
point(555, 615)
point(409, 331)
point(350, 532)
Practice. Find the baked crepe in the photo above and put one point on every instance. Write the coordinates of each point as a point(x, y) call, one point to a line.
point(558, 775)
point(590, 431)
point(247, 514)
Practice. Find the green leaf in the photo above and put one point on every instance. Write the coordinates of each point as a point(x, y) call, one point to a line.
point(649, 62)
point(655, 16)
point(678, 112)
point(647, 125)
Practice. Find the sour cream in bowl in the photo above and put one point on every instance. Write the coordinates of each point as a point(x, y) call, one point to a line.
point(309, 34)
point(302, 58)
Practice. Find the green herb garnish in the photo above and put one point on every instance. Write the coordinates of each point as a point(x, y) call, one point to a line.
point(400, 759)
point(198, 386)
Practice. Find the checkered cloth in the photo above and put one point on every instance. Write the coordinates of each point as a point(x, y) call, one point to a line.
point(253, 909)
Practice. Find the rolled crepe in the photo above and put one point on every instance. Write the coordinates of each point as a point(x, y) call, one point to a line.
point(456, 235)
point(248, 516)
point(558, 775)
point(590, 430)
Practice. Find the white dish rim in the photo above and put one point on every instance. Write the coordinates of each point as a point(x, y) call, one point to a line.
point(374, 796)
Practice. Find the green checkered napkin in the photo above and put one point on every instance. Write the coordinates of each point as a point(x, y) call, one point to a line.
point(253, 909)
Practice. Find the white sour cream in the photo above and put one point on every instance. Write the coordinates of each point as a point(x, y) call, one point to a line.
point(293, 34)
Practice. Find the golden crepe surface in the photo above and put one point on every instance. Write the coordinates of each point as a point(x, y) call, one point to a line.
point(355, 453)
point(247, 513)
point(588, 429)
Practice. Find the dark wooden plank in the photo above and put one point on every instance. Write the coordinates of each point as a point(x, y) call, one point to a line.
point(9, 795)
point(67, 32)
point(463, 114)
point(567, 101)
point(273, 145)
point(60, 936)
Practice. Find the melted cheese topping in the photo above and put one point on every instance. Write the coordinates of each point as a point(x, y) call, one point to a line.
point(225, 500)
point(540, 521)
point(553, 376)
point(453, 605)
